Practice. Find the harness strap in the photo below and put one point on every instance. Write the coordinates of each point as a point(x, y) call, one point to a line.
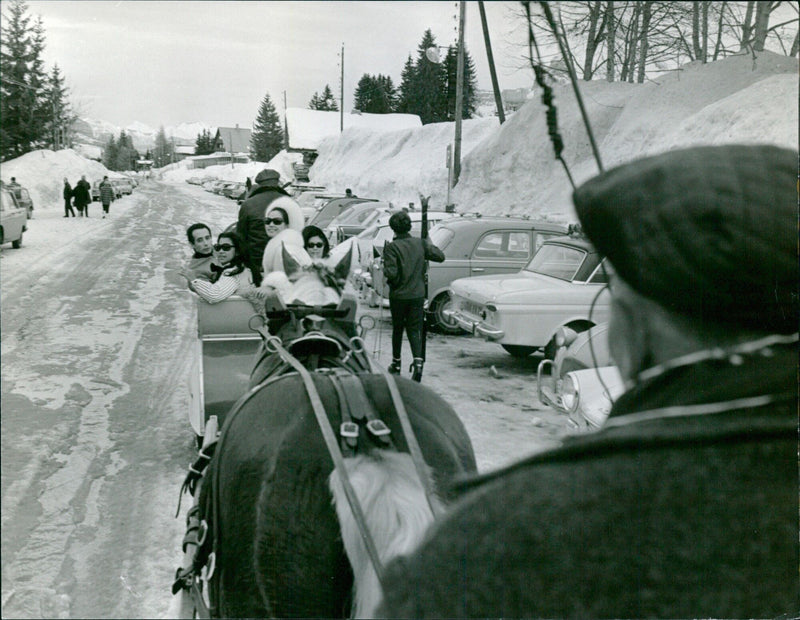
point(362, 407)
point(348, 430)
point(338, 459)
point(411, 439)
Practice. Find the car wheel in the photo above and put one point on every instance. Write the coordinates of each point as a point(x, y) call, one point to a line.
point(440, 321)
point(518, 350)
point(18, 243)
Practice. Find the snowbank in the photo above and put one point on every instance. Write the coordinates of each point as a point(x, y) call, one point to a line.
point(42, 173)
point(511, 168)
point(282, 162)
point(307, 128)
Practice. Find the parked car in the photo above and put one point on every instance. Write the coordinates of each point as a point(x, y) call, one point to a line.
point(333, 208)
point(118, 188)
point(23, 197)
point(349, 222)
point(582, 380)
point(13, 219)
point(125, 185)
point(114, 183)
point(233, 190)
point(564, 284)
point(370, 246)
point(476, 245)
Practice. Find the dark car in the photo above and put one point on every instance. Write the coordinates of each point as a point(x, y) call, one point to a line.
point(477, 245)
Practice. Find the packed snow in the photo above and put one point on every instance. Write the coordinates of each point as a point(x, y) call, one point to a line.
point(307, 128)
point(510, 168)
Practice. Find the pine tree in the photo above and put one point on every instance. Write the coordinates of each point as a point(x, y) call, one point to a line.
point(126, 155)
point(326, 101)
point(110, 154)
point(375, 95)
point(204, 144)
point(424, 88)
point(62, 115)
point(217, 144)
point(23, 96)
point(405, 90)
point(266, 141)
point(162, 152)
point(469, 100)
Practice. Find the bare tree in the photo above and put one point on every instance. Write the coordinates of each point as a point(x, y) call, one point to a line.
point(644, 42)
point(611, 34)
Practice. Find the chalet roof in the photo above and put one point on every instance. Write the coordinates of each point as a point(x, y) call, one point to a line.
point(307, 128)
point(235, 139)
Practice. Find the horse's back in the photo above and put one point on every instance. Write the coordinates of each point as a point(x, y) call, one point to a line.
point(274, 500)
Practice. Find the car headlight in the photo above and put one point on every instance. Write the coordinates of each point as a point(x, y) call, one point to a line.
point(570, 396)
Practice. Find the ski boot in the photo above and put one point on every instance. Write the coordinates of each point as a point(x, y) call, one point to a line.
point(416, 369)
point(394, 367)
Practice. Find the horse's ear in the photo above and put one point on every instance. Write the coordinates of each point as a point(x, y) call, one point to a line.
point(342, 269)
point(290, 265)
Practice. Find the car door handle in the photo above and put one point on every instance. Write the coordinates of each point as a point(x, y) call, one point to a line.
point(478, 269)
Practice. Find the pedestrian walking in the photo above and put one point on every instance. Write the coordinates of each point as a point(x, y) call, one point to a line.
point(82, 196)
point(68, 199)
point(106, 194)
point(404, 265)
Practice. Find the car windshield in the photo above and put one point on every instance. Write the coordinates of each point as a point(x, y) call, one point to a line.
point(557, 261)
point(441, 237)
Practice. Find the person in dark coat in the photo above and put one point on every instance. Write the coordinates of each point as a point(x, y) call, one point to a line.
point(685, 504)
point(106, 194)
point(250, 225)
point(82, 196)
point(404, 265)
point(68, 199)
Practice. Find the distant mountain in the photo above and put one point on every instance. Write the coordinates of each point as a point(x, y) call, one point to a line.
point(96, 133)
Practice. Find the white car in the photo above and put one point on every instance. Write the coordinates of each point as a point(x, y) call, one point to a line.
point(564, 284)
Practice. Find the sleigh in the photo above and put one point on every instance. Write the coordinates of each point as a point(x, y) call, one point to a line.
point(304, 436)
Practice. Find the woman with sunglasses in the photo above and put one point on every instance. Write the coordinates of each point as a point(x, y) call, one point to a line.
point(232, 277)
point(282, 225)
point(315, 243)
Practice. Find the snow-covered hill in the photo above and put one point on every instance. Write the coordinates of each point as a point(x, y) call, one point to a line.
point(92, 132)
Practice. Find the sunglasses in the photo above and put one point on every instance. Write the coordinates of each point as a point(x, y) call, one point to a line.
point(225, 247)
point(273, 220)
point(316, 245)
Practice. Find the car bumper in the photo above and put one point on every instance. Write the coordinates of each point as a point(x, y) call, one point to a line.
point(474, 326)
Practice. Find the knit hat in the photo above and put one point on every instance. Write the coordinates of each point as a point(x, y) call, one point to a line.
point(709, 232)
point(267, 177)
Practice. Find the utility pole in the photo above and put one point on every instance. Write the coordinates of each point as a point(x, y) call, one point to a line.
point(462, 16)
point(341, 95)
point(498, 101)
point(285, 125)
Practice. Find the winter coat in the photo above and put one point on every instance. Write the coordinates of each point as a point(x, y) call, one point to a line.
point(67, 191)
point(225, 286)
point(273, 253)
point(683, 506)
point(250, 225)
point(404, 265)
point(81, 194)
point(106, 193)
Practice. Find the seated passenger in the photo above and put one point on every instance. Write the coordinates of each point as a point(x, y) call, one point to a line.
point(315, 243)
point(231, 277)
point(282, 225)
point(199, 266)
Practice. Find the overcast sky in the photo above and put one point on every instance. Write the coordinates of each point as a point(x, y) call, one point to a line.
point(163, 63)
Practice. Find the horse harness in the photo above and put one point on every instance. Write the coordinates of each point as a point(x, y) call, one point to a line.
point(360, 425)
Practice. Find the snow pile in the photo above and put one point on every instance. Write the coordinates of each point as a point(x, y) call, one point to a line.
point(42, 174)
point(181, 171)
point(307, 128)
point(512, 169)
point(395, 166)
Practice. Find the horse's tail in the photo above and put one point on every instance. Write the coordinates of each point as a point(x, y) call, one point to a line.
point(397, 513)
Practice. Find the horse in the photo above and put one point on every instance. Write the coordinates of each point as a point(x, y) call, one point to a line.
point(290, 527)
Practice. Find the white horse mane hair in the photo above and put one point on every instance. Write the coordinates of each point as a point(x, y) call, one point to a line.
point(393, 500)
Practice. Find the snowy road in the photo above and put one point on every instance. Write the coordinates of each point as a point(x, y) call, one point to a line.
point(96, 335)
